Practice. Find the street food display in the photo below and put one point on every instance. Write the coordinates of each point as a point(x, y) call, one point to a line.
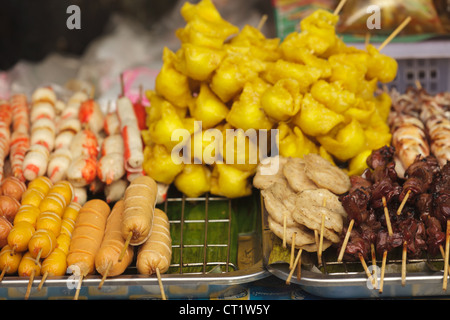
point(354, 168)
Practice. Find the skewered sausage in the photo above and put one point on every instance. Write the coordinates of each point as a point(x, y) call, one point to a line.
point(42, 243)
point(9, 207)
point(64, 242)
point(84, 143)
point(87, 236)
point(41, 183)
point(9, 260)
point(111, 166)
point(156, 252)
point(107, 258)
point(35, 162)
point(140, 201)
point(80, 195)
point(55, 264)
point(133, 154)
point(27, 265)
point(58, 164)
point(13, 187)
point(116, 190)
point(20, 235)
point(32, 197)
point(91, 115)
point(20, 138)
point(28, 213)
point(111, 124)
point(50, 221)
point(5, 230)
point(5, 133)
point(53, 202)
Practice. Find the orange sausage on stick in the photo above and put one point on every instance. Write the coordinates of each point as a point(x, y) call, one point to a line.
point(107, 259)
point(156, 253)
point(9, 261)
point(139, 201)
point(87, 236)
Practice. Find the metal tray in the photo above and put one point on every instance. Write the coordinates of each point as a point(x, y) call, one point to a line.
point(348, 280)
point(187, 278)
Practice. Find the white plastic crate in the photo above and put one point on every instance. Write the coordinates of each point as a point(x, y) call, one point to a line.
point(432, 73)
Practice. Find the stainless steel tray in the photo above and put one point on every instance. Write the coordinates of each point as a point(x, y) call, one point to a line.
point(348, 280)
point(200, 278)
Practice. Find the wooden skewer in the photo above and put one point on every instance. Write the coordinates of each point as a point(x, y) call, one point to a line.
point(404, 253)
point(44, 277)
point(291, 261)
point(316, 238)
point(322, 230)
point(367, 39)
point(77, 292)
point(30, 284)
point(339, 7)
point(2, 275)
point(394, 33)
point(447, 249)
point(347, 237)
point(125, 246)
point(262, 21)
point(299, 267)
point(383, 269)
point(363, 262)
point(284, 230)
point(418, 84)
point(161, 288)
point(441, 248)
point(297, 259)
point(100, 285)
point(38, 257)
point(400, 208)
point(386, 214)
point(374, 264)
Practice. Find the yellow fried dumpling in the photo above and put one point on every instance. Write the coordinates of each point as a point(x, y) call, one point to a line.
point(230, 182)
point(240, 149)
point(259, 46)
point(172, 84)
point(204, 27)
point(208, 108)
point(319, 30)
point(233, 73)
point(283, 100)
point(293, 143)
point(246, 112)
point(198, 62)
point(333, 96)
point(194, 180)
point(159, 165)
point(346, 142)
point(281, 69)
point(315, 119)
point(162, 120)
point(293, 49)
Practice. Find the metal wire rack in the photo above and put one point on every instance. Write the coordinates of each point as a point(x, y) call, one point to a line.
point(202, 265)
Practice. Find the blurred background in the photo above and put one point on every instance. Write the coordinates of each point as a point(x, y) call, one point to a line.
point(31, 29)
